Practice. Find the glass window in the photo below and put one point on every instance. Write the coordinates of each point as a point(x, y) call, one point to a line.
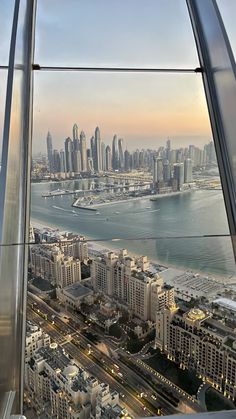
point(115, 33)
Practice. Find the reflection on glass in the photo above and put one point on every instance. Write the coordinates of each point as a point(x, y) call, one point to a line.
point(110, 33)
point(6, 18)
point(228, 10)
point(3, 86)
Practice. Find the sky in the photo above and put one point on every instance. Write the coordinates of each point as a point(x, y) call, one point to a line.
point(144, 109)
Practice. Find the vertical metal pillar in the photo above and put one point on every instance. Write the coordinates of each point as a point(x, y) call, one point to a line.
point(219, 78)
point(14, 206)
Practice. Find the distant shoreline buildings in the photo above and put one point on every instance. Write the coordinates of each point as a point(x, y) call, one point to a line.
point(170, 167)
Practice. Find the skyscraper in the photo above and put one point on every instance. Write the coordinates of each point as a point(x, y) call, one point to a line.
point(75, 132)
point(127, 160)
point(56, 161)
point(120, 153)
point(62, 161)
point(50, 152)
point(103, 156)
point(97, 157)
point(187, 170)
point(76, 161)
point(108, 158)
point(115, 158)
point(157, 169)
point(83, 152)
point(166, 171)
point(68, 154)
point(179, 174)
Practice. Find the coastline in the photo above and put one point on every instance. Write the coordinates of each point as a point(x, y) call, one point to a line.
point(102, 248)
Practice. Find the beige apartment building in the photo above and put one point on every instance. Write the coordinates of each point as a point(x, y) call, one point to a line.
point(49, 262)
point(130, 281)
point(194, 339)
point(63, 390)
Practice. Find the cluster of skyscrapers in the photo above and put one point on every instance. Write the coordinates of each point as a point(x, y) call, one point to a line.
point(79, 156)
point(173, 168)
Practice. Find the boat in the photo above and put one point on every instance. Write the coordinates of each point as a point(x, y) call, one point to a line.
point(117, 212)
point(147, 207)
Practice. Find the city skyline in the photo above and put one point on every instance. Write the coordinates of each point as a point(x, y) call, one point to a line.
point(141, 108)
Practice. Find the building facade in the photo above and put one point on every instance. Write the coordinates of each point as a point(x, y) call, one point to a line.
point(194, 339)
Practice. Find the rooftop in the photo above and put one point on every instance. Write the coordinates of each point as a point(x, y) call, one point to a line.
point(226, 303)
point(77, 290)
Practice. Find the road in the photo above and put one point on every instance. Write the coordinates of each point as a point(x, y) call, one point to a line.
point(136, 391)
point(129, 401)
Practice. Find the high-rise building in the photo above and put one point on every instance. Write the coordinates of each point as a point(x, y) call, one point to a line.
point(62, 161)
point(127, 160)
point(92, 147)
point(76, 142)
point(97, 149)
point(56, 161)
point(103, 156)
point(83, 152)
point(76, 161)
point(108, 159)
point(68, 155)
point(35, 338)
point(191, 152)
point(49, 262)
point(179, 174)
point(75, 132)
point(115, 154)
point(65, 390)
point(120, 154)
point(166, 171)
point(188, 171)
point(130, 281)
point(50, 152)
point(195, 340)
point(157, 169)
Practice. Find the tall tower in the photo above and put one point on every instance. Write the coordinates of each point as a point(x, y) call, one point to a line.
point(97, 157)
point(49, 152)
point(103, 156)
point(187, 170)
point(62, 161)
point(115, 158)
point(76, 145)
point(56, 161)
point(179, 174)
point(157, 169)
point(127, 160)
point(83, 152)
point(121, 153)
point(166, 171)
point(108, 158)
point(75, 132)
point(68, 154)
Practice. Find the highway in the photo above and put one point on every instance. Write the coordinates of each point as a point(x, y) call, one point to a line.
point(139, 395)
point(127, 399)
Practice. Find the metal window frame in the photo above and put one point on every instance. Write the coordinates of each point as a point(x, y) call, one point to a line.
point(216, 57)
point(14, 206)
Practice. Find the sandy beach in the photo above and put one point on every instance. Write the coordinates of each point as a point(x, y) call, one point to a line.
point(100, 247)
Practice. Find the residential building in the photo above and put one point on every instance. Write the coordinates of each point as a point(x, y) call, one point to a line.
point(35, 338)
point(195, 339)
point(50, 263)
point(61, 388)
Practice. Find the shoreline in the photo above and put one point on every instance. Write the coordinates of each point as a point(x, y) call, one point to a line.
point(101, 247)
